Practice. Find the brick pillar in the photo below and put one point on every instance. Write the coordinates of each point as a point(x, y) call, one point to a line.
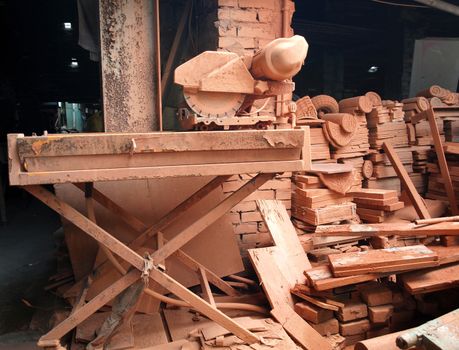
point(244, 27)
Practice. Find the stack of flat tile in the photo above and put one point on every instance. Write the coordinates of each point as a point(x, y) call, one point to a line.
point(316, 205)
point(376, 205)
point(436, 188)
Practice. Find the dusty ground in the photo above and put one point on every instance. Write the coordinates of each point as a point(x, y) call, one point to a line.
point(27, 259)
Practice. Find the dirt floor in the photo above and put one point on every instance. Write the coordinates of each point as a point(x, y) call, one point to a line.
point(27, 259)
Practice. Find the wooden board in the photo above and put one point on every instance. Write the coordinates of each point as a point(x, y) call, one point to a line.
point(285, 237)
point(374, 193)
point(299, 329)
point(407, 184)
point(431, 280)
point(270, 264)
point(102, 157)
point(333, 168)
point(382, 260)
point(389, 229)
point(321, 278)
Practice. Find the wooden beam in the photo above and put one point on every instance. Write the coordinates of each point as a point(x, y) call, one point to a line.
point(210, 217)
point(89, 308)
point(205, 287)
point(86, 225)
point(442, 162)
point(136, 143)
point(389, 229)
point(140, 173)
point(417, 201)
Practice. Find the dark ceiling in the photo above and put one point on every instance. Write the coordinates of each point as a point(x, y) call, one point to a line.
point(354, 34)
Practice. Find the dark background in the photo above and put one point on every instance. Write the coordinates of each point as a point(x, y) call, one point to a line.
point(346, 37)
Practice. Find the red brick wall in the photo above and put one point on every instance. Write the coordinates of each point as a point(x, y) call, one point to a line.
point(245, 26)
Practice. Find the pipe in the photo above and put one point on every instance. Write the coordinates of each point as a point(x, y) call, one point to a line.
point(441, 5)
point(235, 306)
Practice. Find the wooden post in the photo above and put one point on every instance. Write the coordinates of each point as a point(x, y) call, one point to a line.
point(415, 198)
point(442, 161)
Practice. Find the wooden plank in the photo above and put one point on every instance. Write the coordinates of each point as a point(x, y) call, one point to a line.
point(132, 143)
point(426, 281)
point(205, 288)
point(314, 301)
point(332, 168)
point(442, 162)
point(407, 183)
point(89, 308)
point(322, 278)
point(299, 329)
point(389, 229)
point(373, 193)
point(201, 223)
point(381, 260)
point(56, 177)
point(285, 237)
point(269, 264)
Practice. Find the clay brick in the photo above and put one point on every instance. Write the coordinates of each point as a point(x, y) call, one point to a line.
point(261, 43)
point(252, 216)
point(226, 41)
point(326, 328)
point(262, 30)
point(235, 218)
point(225, 28)
point(245, 228)
point(277, 184)
point(283, 194)
point(354, 327)
point(287, 204)
point(268, 194)
point(257, 239)
point(353, 310)
point(249, 205)
point(238, 15)
point(374, 294)
point(231, 186)
point(287, 174)
point(265, 16)
point(312, 313)
point(380, 314)
point(228, 3)
point(265, 4)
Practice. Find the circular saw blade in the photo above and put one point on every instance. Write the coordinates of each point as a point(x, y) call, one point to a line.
point(214, 104)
